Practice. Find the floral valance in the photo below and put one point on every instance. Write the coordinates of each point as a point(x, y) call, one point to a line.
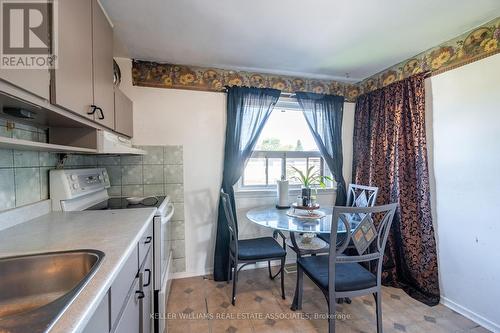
point(464, 49)
point(469, 47)
point(152, 74)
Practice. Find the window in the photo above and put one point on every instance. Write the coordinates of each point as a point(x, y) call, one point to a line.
point(285, 141)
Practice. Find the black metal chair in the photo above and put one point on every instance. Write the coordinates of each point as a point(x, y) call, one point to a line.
point(341, 276)
point(251, 251)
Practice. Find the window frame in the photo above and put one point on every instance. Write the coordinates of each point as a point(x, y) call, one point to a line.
point(288, 103)
point(283, 155)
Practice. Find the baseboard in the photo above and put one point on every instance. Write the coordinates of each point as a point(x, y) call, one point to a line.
point(182, 275)
point(486, 323)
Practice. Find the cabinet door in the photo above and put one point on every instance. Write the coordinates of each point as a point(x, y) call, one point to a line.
point(102, 39)
point(121, 285)
point(124, 114)
point(129, 321)
point(36, 81)
point(99, 323)
point(147, 288)
point(72, 80)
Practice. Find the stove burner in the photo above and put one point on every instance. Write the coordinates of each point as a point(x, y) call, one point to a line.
point(122, 203)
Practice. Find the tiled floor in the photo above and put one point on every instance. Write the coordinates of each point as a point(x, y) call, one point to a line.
point(199, 304)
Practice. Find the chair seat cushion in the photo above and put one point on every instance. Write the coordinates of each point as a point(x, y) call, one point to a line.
point(260, 248)
point(348, 276)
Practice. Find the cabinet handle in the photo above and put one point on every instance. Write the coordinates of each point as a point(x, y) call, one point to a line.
point(148, 240)
point(93, 108)
point(101, 116)
point(149, 277)
point(140, 293)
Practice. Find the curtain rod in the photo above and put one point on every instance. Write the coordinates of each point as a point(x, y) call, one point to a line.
point(428, 74)
point(284, 94)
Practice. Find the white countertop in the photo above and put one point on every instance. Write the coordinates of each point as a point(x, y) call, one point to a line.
point(114, 232)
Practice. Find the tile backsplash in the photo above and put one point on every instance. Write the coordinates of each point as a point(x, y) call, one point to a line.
point(23, 174)
point(24, 179)
point(157, 173)
point(23, 131)
point(160, 172)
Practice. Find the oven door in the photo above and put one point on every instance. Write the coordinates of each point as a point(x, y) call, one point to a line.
point(162, 269)
point(161, 301)
point(162, 246)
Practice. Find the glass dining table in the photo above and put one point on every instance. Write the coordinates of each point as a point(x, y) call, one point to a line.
point(303, 230)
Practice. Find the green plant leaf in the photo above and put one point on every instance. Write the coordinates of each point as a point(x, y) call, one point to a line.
point(310, 177)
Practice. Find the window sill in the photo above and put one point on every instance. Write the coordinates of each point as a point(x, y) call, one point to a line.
point(269, 192)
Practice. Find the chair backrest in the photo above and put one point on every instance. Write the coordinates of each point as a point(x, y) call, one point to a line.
point(231, 224)
point(356, 192)
point(380, 217)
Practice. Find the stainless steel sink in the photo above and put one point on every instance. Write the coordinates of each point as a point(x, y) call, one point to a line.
point(36, 289)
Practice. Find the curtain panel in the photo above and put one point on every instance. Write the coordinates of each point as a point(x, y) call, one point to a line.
point(324, 114)
point(390, 152)
point(247, 112)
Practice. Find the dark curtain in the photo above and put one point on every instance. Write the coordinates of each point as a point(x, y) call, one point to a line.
point(390, 152)
point(247, 111)
point(324, 115)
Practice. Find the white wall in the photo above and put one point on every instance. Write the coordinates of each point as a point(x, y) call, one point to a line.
point(196, 120)
point(464, 128)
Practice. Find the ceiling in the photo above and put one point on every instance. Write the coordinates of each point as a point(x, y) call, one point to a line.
point(317, 38)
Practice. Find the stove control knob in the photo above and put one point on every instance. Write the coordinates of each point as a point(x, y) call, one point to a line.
point(99, 177)
point(73, 177)
point(75, 186)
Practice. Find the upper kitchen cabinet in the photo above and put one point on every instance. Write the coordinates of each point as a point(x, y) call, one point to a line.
point(72, 86)
point(83, 81)
point(123, 114)
point(35, 81)
point(80, 88)
point(102, 46)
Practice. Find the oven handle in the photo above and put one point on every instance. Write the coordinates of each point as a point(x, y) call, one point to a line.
point(170, 214)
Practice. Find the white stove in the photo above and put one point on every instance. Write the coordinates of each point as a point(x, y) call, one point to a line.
point(86, 189)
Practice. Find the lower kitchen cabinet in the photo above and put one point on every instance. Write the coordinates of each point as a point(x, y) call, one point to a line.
point(120, 289)
point(147, 288)
point(128, 304)
point(99, 323)
point(130, 319)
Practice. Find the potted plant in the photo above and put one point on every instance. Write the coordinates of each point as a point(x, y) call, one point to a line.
point(309, 179)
